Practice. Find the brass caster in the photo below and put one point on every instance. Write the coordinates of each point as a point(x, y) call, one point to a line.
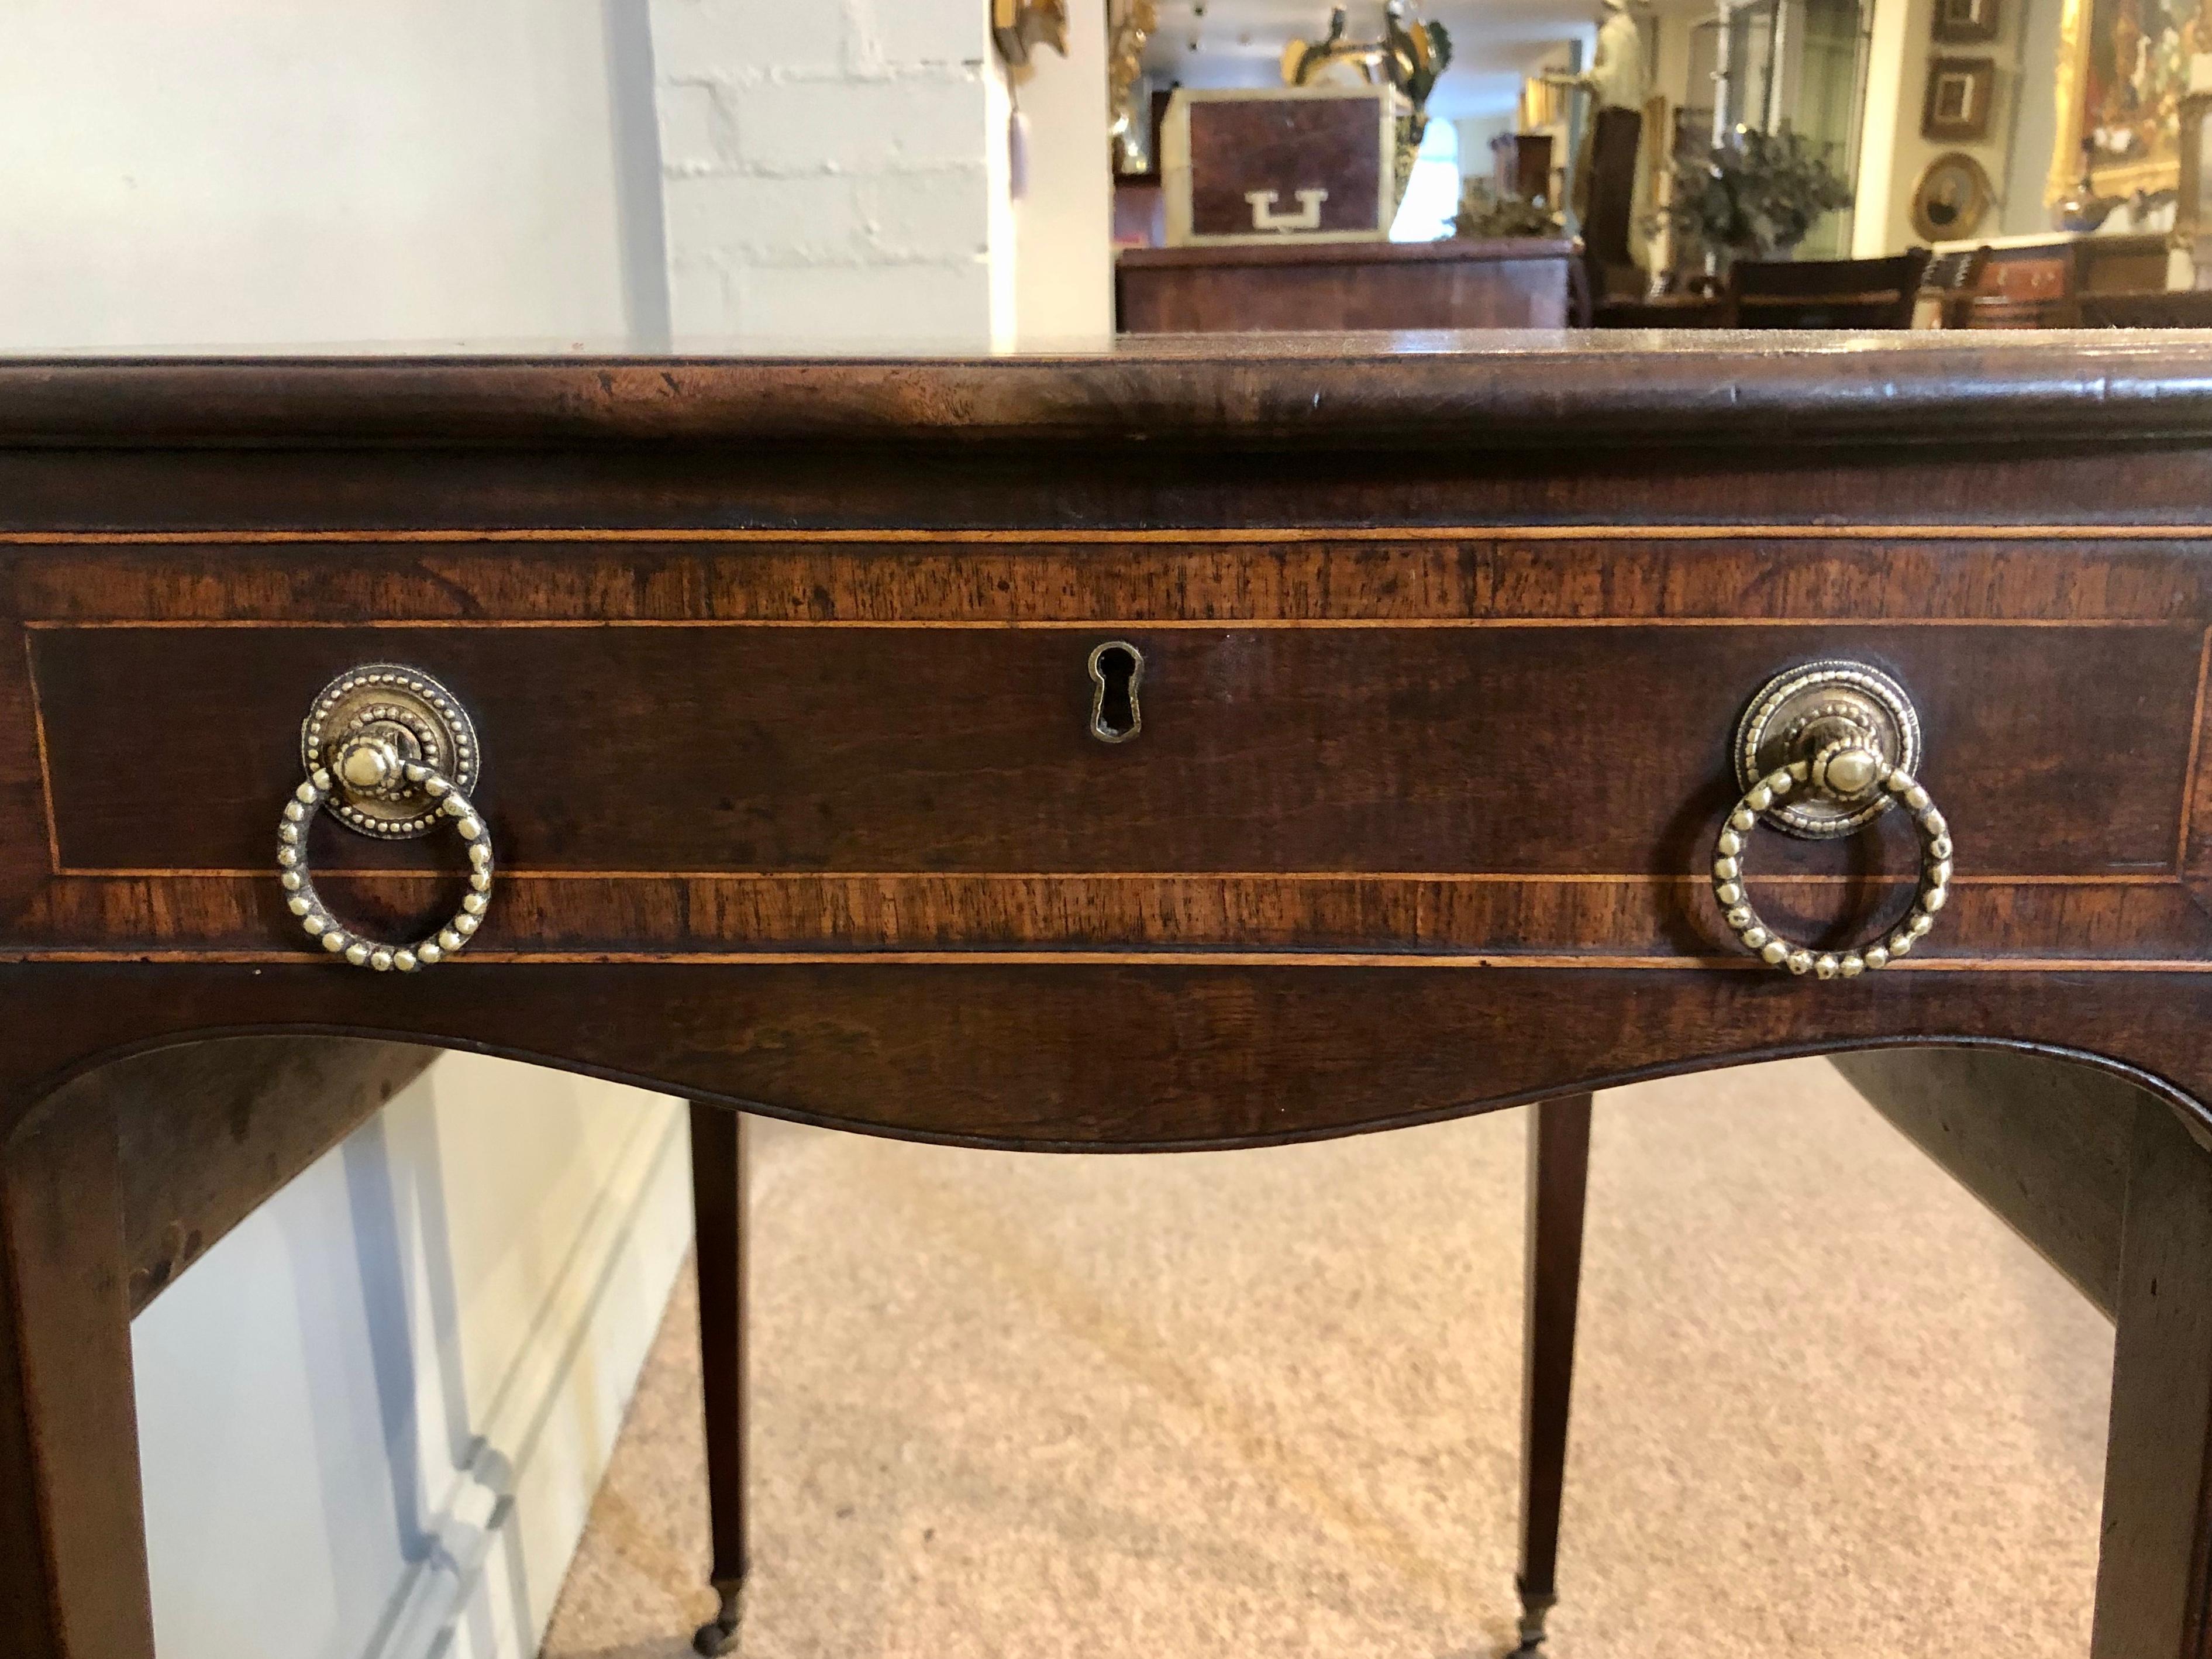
point(712, 1640)
point(1533, 1608)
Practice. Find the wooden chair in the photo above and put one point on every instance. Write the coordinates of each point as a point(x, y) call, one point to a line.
point(1952, 280)
point(1828, 293)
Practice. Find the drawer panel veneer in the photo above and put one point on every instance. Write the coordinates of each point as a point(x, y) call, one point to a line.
point(1485, 784)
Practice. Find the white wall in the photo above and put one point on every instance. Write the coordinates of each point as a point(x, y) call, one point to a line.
point(837, 176)
point(1892, 154)
point(372, 1418)
point(2034, 128)
point(250, 173)
point(1064, 222)
point(827, 173)
point(374, 1415)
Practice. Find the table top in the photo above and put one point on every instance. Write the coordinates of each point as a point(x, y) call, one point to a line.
point(1500, 388)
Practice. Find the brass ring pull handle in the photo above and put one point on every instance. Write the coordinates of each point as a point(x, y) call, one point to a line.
point(392, 753)
point(325, 928)
point(1935, 861)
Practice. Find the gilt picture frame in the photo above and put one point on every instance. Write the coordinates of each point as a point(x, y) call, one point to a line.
point(2192, 211)
point(2123, 73)
point(1952, 199)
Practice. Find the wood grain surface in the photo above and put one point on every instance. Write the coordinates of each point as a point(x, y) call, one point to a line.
point(1442, 392)
point(779, 672)
point(1048, 1054)
point(1496, 744)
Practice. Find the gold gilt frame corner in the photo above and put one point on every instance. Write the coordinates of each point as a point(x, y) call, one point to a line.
point(2073, 67)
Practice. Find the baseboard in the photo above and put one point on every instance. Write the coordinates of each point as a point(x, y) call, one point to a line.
point(510, 1524)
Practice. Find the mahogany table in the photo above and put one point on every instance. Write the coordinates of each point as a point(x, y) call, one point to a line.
point(1200, 745)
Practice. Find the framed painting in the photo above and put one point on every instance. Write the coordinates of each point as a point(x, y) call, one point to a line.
point(1963, 22)
point(1960, 91)
point(1952, 199)
point(2123, 72)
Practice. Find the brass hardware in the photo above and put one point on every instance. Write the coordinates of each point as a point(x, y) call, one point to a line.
point(1824, 751)
point(1798, 713)
point(371, 745)
point(1117, 669)
point(411, 720)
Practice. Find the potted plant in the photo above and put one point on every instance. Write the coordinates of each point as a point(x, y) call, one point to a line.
point(1483, 212)
point(1753, 197)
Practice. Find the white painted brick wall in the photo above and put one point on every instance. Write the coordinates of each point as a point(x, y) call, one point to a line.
point(912, 34)
point(830, 170)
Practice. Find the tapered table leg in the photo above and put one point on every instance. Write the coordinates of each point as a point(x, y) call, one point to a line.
point(1558, 1171)
point(718, 1199)
point(72, 1525)
point(2154, 1580)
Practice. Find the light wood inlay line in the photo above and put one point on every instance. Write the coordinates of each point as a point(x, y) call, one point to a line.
point(45, 766)
point(1464, 877)
point(1188, 958)
point(997, 624)
point(1068, 537)
point(2196, 736)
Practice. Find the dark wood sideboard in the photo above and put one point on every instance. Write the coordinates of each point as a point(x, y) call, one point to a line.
point(1203, 745)
point(2043, 283)
point(1457, 283)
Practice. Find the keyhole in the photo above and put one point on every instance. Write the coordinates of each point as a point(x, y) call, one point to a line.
point(1116, 668)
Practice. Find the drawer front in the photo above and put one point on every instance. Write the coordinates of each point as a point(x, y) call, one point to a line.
point(2026, 279)
point(1473, 785)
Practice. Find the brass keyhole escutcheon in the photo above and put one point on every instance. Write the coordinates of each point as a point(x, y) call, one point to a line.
point(1117, 669)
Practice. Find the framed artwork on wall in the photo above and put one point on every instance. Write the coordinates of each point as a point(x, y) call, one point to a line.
point(2122, 76)
point(1960, 92)
point(1961, 22)
point(1952, 199)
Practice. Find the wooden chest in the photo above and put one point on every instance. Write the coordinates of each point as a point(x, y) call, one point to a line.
point(1313, 163)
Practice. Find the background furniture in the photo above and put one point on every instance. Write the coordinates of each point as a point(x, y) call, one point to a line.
point(1826, 293)
point(1457, 283)
point(1785, 294)
point(1609, 205)
point(1210, 745)
point(1947, 287)
point(1667, 311)
point(2038, 281)
point(1521, 165)
point(2175, 308)
point(1247, 164)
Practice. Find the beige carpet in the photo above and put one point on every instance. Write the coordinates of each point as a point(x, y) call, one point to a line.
point(1267, 1403)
